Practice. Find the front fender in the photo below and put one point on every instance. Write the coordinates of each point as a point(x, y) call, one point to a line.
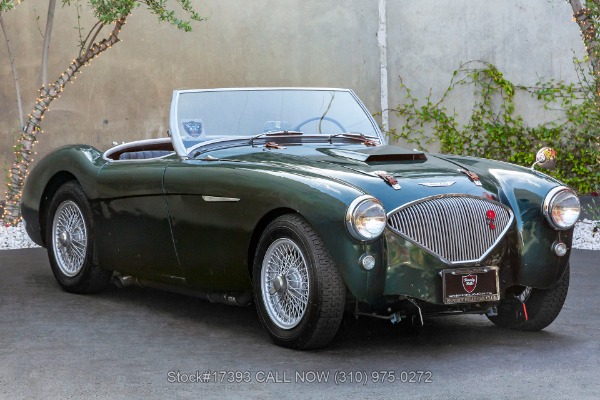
point(323, 202)
point(523, 190)
point(538, 266)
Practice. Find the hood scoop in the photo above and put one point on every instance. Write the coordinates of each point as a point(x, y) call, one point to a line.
point(379, 154)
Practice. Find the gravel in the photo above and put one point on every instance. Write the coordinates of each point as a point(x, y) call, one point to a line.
point(583, 238)
point(14, 237)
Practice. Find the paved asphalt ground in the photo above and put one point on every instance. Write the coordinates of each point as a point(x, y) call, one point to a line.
point(131, 343)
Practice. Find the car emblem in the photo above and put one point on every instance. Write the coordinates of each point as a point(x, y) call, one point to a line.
point(438, 184)
point(469, 282)
point(490, 216)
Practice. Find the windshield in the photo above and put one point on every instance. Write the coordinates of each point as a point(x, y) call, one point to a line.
point(198, 116)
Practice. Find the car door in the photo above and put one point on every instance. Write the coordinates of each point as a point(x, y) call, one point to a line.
point(133, 223)
point(210, 225)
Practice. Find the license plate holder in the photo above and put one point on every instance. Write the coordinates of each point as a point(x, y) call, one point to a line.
point(470, 285)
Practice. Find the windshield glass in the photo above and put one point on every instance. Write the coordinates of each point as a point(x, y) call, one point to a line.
point(205, 115)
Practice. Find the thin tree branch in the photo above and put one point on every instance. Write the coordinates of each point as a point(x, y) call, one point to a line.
point(14, 71)
point(100, 26)
point(84, 41)
point(46, 45)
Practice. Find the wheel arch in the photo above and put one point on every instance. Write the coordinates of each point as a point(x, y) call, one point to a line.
point(55, 182)
point(259, 229)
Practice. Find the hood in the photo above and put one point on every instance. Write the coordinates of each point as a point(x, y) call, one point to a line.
point(372, 170)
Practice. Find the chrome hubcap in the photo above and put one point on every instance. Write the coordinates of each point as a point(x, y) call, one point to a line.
point(285, 285)
point(69, 238)
point(64, 238)
point(279, 285)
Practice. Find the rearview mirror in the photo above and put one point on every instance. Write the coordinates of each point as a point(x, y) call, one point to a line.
point(545, 158)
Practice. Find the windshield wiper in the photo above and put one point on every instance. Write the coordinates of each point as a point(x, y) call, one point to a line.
point(366, 140)
point(274, 133)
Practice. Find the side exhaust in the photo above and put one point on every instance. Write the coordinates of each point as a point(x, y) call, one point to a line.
point(230, 298)
point(122, 281)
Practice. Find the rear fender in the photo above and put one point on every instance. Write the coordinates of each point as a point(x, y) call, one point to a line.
point(78, 162)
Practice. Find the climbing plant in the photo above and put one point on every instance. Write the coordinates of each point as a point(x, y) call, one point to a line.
point(496, 129)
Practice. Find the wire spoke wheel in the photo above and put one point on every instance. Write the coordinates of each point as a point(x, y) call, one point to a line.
point(69, 236)
point(70, 241)
point(299, 293)
point(285, 283)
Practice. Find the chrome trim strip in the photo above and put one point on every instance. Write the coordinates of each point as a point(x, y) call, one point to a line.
point(438, 184)
point(218, 199)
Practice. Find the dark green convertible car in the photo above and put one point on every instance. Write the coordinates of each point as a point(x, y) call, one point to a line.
point(291, 198)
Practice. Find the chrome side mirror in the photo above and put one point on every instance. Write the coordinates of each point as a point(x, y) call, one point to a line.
point(545, 158)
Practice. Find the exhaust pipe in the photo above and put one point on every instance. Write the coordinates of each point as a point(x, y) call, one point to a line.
point(121, 281)
point(233, 299)
point(240, 299)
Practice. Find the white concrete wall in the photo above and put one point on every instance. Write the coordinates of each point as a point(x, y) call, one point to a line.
point(528, 40)
point(125, 94)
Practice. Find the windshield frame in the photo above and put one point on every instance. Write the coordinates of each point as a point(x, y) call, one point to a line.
point(184, 152)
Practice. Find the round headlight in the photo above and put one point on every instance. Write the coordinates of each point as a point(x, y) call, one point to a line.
point(561, 208)
point(366, 218)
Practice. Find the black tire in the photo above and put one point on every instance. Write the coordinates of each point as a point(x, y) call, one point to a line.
point(542, 305)
point(69, 239)
point(305, 303)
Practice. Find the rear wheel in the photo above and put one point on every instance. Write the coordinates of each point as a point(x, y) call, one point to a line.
point(542, 306)
point(69, 241)
point(298, 291)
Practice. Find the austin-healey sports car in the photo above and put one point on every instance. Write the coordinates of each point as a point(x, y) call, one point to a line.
point(292, 199)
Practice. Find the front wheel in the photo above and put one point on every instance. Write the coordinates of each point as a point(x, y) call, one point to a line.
point(298, 291)
point(541, 307)
point(69, 241)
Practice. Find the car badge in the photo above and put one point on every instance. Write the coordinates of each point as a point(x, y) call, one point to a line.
point(469, 283)
point(193, 128)
point(490, 216)
point(472, 176)
point(438, 184)
point(393, 182)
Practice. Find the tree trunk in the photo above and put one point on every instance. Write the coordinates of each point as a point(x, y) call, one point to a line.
point(14, 71)
point(25, 144)
point(583, 18)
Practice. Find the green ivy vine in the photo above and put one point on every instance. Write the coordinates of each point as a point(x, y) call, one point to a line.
point(496, 130)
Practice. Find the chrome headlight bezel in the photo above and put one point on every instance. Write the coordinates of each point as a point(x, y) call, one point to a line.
point(553, 201)
point(357, 209)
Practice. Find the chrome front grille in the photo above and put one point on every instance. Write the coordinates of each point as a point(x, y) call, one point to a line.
point(456, 228)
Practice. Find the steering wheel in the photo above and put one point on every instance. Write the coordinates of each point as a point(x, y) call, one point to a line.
point(332, 120)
